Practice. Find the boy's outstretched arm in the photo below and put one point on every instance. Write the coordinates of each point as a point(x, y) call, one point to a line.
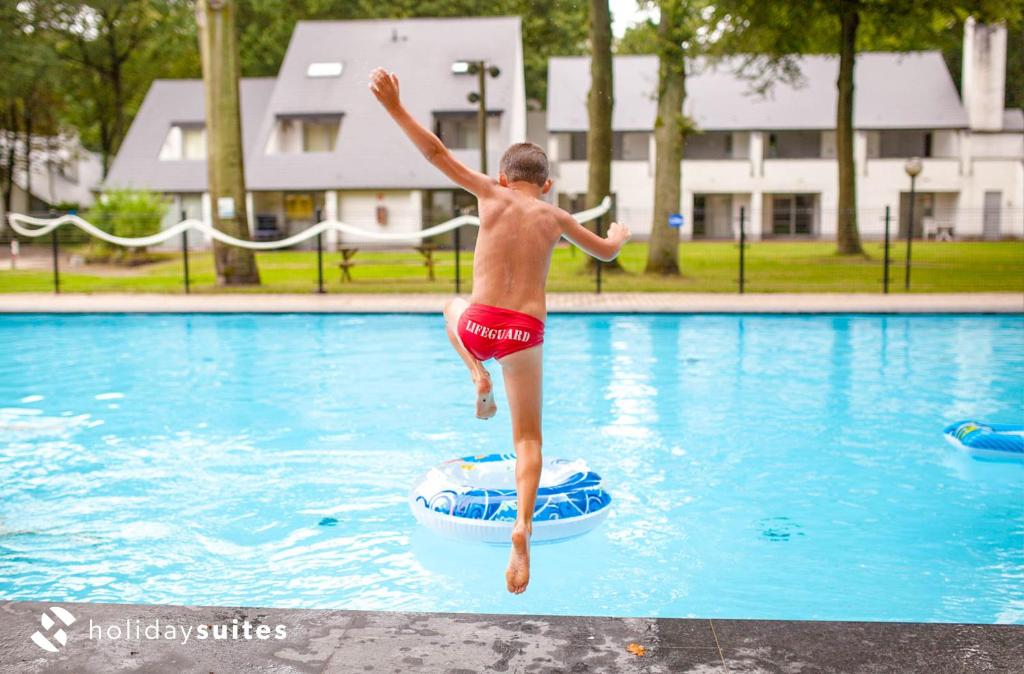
point(606, 249)
point(384, 86)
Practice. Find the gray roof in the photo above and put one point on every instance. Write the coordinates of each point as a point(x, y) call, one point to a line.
point(1013, 119)
point(371, 151)
point(892, 91)
point(170, 102)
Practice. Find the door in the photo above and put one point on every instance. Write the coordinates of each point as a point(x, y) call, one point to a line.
point(991, 222)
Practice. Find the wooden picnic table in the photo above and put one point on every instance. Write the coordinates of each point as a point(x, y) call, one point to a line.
point(348, 253)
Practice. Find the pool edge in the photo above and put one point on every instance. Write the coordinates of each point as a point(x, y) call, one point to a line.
point(341, 640)
point(558, 303)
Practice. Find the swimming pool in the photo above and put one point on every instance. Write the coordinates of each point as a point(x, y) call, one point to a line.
point(762, 466)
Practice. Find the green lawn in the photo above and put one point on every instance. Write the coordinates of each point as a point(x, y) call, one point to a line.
point(706, 266)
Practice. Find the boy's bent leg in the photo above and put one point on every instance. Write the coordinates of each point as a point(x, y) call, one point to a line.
point(485, 407)
point(522, 374)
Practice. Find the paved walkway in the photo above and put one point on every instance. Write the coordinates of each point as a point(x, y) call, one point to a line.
point(557, 303)
point(436, 643)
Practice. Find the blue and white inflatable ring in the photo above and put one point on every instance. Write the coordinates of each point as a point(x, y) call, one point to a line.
point(474, 498)
point(1001, 442)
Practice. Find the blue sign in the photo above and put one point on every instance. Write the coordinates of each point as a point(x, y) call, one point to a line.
point(675, 220)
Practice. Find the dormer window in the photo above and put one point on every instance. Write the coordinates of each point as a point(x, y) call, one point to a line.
point(460, 130)
point(185, 141)
point(325, 69)
point(300, 134)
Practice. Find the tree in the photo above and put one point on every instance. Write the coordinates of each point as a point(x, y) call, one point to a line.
point(844, 27)
point(640, 38)
point(28, 82)
point(225, 165)
point(676, 32)
point(847, 232)
point(600, 102)
point(117, 48)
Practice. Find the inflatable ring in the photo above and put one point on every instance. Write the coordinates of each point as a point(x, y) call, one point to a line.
point(988, 441)
point(474, 498)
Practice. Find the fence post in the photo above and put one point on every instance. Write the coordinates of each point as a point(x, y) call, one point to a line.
point(910, 236)
point(885, 255)
point(458, 271)
point(184, 251)
point(743, 245)
point(55, 250)
point(598, 226)
point(319, 257)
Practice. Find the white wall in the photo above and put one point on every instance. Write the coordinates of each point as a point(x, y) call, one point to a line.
point(984, 75)
point(979, 162)
point(359, 209)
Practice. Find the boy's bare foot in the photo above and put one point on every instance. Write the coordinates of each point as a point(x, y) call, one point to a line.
point(517, 576)
point(485, 405)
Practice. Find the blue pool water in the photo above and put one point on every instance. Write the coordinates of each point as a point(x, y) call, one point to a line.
point(762, 467)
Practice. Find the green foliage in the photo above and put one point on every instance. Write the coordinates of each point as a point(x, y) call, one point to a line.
point(107, 69)
point(28, 88)
point(127, 213)
point(640, 38)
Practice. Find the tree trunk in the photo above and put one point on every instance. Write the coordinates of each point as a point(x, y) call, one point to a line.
point(27, 114)
point(600, 102)
point(7, 184)
point(224, 160)
point(847, 235)
point(669, 130)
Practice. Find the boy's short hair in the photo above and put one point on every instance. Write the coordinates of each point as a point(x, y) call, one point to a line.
point(525, 162)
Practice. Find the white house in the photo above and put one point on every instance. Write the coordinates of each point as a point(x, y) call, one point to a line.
point(774, 156)
point(60, 172)
point(315, 138)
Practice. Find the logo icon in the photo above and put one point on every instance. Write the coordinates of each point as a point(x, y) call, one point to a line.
point(59, 635)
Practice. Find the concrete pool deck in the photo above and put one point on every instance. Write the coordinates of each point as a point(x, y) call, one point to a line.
point(435, 643)
point(783, 303)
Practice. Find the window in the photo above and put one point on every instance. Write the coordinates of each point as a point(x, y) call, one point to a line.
point(708, 145)
point(793, 145)
point(578, 146)
point(631, 146)
point(296, 134)
point(699, 215)
point(193, 142)
point(793, 214)
point(626, 146)
point(324, 69)
point(319, 135)
point(460, 130)
point(899, 144)
point(573, 203)
point(184, 141)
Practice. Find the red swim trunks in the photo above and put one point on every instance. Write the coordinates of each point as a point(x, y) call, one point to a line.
point(492, 332)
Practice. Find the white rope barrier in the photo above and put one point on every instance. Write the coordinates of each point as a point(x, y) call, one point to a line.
point(29, 226)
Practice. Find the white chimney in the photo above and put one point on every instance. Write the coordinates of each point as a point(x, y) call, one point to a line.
point(984, 75)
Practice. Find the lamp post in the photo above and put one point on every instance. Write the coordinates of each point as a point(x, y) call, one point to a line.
point(481, 70)
point(913, 168)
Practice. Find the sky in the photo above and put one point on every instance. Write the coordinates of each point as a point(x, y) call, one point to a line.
point(625, 13)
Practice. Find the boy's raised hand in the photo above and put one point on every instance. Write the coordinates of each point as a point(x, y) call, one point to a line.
point(619, 233)
point(384, 86)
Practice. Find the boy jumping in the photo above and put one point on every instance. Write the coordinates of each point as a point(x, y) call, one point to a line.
point(504, 318)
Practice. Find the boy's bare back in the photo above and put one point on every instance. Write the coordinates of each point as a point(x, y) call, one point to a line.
point(513, 250)
point(518, 230)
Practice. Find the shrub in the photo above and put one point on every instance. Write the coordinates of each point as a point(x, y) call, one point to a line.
point(127, 213)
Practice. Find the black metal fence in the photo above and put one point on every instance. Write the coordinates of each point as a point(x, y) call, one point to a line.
point(892, 261)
